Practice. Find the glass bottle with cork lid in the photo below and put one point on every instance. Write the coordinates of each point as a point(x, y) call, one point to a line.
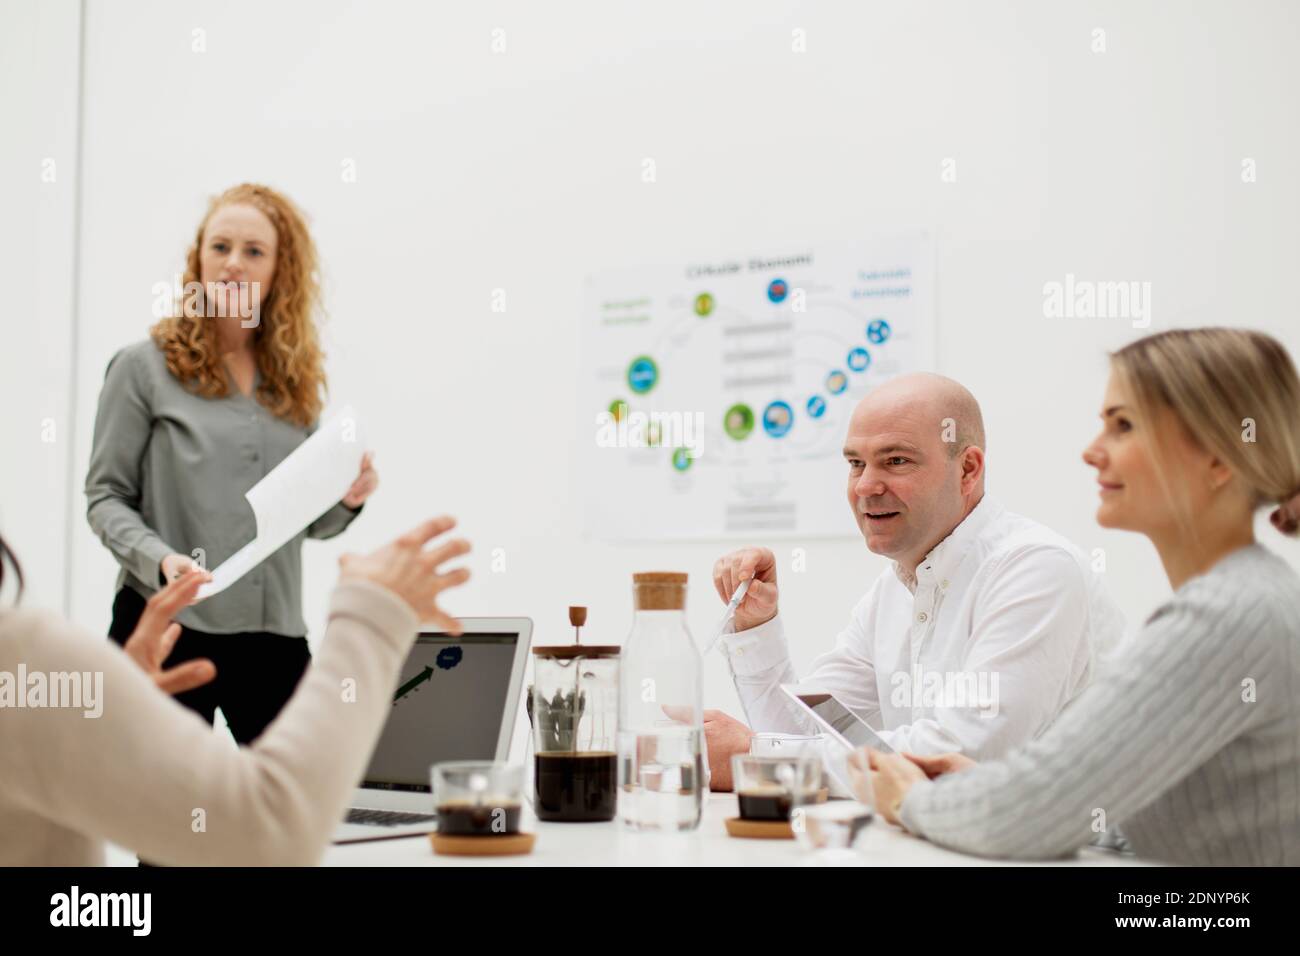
point(661, 710)
point(573, 708)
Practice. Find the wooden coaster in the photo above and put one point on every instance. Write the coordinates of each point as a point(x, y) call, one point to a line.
point(759, 829)
point(506, 844)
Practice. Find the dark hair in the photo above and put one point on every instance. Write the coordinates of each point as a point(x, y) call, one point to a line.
point(6, 554)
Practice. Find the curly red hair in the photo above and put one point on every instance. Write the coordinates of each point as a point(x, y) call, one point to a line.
point(288, 350)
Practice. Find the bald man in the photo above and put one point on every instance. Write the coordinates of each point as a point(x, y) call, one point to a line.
point(986, 625)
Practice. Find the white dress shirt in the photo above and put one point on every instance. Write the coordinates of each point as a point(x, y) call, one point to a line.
point(1001, 627)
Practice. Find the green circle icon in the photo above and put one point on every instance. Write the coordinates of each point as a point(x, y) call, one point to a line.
point(739, 421)
point(618, 409)
point(703, 304)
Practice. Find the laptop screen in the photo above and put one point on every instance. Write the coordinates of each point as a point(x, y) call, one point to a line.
point(448, 705)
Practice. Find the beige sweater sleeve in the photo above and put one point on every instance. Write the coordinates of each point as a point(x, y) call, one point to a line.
point(149, 775)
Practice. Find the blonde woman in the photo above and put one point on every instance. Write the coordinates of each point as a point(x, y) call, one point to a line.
point(189, 421)
point(1189, 741)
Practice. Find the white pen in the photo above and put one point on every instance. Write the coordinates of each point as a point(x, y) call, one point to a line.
point(729, 613)
point(736, 599)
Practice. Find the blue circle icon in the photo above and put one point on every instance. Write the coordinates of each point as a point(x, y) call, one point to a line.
point(816, 406)
point(877, 331)
point(836, 382)
point(778, 417)
point(777, 290)
point(858, 360)
point(642, 374)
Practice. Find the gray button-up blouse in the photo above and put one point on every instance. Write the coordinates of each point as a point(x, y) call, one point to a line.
point(168, 473)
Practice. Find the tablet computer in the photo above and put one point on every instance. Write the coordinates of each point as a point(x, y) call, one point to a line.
point(833, 716)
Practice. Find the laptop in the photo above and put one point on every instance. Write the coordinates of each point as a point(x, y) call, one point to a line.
point(457, 698)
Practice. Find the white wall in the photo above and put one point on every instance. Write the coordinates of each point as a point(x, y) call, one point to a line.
point(39, 83)
point(522, 171)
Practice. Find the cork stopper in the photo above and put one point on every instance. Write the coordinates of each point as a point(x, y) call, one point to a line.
point(659, 591)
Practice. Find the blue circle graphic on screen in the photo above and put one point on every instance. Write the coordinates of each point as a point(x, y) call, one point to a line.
point(877, 331)
point(449, 657)
point(836, 382)
point(777, 290)
point(642, 374)
point(816, 406)
point(777, 419)
point(858, 360)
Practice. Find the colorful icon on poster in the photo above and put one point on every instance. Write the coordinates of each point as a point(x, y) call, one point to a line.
point(836, 382)
point(738, 422)
point(777, 290)
point(642, 374)
point(703, 304)
point(682, 459)
point(858, 360)
point(816, 406)
point(877, 331)
point(778, 418)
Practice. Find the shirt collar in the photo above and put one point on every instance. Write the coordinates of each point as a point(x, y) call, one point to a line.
point(948, 553)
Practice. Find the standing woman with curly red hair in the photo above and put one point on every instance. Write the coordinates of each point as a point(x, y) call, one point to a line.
point(189, 421)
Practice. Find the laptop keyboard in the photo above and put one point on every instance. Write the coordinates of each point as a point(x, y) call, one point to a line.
point(386, 818)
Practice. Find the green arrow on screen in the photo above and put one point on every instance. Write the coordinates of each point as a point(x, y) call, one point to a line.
point(413, 683)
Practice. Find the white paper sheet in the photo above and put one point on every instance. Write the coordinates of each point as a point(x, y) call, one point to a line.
point(304, 486)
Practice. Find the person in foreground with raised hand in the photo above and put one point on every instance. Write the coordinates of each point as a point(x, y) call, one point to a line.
point(135, 768)
point(156, 633)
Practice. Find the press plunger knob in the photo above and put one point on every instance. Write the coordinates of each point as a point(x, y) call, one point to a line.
point(577, 616)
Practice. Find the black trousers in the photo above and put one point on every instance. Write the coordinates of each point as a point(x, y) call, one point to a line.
point(257, 672)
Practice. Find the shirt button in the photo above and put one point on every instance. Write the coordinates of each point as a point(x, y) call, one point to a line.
point(922, 617)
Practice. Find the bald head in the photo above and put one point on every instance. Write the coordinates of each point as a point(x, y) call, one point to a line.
point(915, 450)
point(936, 403)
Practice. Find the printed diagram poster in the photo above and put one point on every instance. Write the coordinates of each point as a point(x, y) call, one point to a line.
point(718, 392)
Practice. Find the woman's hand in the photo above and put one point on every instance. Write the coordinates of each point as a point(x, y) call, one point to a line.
point(936, 765)
point(155, 635)
point(882, 780)
point(174, 566)
point(365, 485)
point(411, 572)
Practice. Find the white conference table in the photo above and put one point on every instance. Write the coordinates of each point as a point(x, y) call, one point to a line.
point(609, 844)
